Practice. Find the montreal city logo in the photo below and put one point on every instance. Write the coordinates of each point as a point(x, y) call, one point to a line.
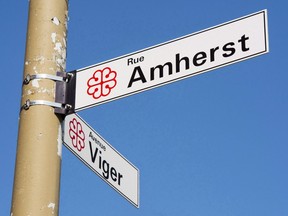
point(101, 83)
point(76, 134)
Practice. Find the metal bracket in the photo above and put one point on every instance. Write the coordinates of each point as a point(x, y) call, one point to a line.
point(65, 92)
point(29, 77)
point(30, 103)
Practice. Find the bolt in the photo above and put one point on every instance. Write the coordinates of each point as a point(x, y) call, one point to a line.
point(27, 79)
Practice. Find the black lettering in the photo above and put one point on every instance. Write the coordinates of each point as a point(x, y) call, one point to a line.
point(140, 76)
point(178, 61)
point(113, 174)
point(198, 57)
point(119, 178)
point(100, 161)
point(130, 61)
point(93, 156)
point(161, 70)
point(212, 53)
point(243, 43)
point(105, 172)
point(229, 48)
point(134, 61)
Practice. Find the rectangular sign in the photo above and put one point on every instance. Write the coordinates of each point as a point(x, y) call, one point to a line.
point(101, 157)
point(174, 60)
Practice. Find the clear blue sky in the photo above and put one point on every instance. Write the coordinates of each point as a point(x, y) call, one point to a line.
point(211, 145)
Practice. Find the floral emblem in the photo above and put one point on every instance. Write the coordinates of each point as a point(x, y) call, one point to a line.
point(76, 134)
point(101, 83)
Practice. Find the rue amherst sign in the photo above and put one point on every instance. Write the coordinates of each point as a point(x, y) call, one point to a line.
point(174, 60)
point(101, 157)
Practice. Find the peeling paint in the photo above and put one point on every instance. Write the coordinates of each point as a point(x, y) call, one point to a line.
point(52, 206)
point(66, 14)
point(60, 44)
point(64, 42)
point(38, 90)
point(43, 90)
point(52, 70)
point(53, 37)
point(35, 83)
point(58, 47)
point(60, 62)
point(40, 59)
point(60, 59)
point(35, 70)
point(59, 140)
point(56, 21)
point(64, 54)
point(66, 20)
point(39, 136)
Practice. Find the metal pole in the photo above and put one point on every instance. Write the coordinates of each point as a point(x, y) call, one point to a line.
point(38, 161)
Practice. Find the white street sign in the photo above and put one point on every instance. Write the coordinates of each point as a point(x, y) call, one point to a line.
point(174, 60)
point(101, 158)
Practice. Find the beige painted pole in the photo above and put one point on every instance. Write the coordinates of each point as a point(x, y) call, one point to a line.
point(37, 171)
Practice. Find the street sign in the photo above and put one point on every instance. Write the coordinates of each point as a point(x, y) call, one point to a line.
point(101, 157)
point(174, 60)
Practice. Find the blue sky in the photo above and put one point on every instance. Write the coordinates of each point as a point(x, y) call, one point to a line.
point(211, 145)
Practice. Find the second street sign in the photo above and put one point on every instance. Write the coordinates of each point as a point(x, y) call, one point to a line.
point(174, 60)
point(101, 158)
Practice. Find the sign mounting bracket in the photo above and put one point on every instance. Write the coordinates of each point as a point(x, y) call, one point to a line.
point(65, 92)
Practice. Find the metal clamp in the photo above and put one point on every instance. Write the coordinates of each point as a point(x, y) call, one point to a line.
point(29, 77)
point(65, 92)
point(30, 103)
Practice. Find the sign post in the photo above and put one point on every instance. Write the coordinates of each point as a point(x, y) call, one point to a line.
point(101, 158)
point(38, 163)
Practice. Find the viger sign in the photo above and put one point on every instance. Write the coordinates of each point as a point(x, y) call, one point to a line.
point(203, 51)
point(101, 158)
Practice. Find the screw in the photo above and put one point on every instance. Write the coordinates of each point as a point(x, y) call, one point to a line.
point(68, 106)
point(26, 105)
point(27, 79)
